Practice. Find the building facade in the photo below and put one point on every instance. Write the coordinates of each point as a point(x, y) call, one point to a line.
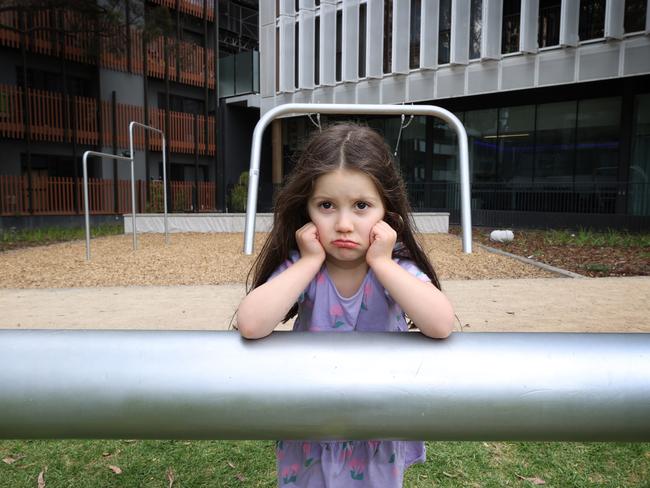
point(554, 94)
point(82, 90)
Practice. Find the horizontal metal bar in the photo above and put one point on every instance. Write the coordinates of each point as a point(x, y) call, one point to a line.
point(216, 385)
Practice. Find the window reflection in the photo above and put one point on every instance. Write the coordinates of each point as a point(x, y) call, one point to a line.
point(635, 15)
point(639, 170)
point(549, 23)
point(475, 27)
point(444, 32)
point(592, 19)
point(510, 26)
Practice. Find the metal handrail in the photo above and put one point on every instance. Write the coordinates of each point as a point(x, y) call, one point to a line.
point(292, 109)
point(216, 385)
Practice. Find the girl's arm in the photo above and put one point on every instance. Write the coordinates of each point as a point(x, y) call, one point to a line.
point(264, 308)
point(427, 306)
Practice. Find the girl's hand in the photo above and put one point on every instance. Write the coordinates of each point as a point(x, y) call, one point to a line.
point(308, 243)
point(382, 242)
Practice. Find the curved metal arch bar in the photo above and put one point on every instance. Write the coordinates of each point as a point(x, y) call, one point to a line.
point(132, 124)
point(216, 385)
point(86, 205)
point(323, 108)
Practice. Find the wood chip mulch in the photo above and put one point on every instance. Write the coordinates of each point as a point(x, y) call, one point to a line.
point(205, 259)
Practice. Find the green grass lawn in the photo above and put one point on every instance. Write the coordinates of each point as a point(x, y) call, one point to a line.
point(87, 464)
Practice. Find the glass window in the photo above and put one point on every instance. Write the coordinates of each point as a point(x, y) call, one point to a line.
point(388, 35)
point(296, 53)
point(362, 40)
point(597, 144)
point(481, 126)
point(549, 23)
point(639, 172)
point(475, 27)
point(510, 26)
point(414, 45)
point(444, 32)
point(635, 15)
point(516, 144)
point(555, 142)
point(445, 190)
point(592, 19)
point(339, 44)
point(317, 50)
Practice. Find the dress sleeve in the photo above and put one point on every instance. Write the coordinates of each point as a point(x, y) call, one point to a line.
point(413, 268)
point(293, 257)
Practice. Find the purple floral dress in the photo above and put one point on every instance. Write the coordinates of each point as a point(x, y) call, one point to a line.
point(359, 464)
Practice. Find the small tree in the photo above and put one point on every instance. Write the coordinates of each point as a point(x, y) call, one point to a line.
point(239, 194)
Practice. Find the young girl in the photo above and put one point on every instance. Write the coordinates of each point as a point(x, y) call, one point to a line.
point(343, 257)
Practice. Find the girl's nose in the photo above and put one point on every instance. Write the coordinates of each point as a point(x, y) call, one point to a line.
point(343, 223)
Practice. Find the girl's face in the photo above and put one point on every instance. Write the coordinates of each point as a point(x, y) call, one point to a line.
point(344, 206)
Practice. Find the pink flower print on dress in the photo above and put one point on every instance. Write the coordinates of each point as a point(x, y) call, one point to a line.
point(357, 467)
point(290, 474)
point(320, 278)
point(336, 311)
point(367, 293)
point(346, 451)
point(306, 451)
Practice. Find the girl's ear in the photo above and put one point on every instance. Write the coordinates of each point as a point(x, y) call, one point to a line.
point(396, 221)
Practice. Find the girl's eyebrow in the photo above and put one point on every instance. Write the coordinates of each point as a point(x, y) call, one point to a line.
point(356, 198)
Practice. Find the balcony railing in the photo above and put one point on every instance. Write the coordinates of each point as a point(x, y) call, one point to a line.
point(190, 69)
point(56, 196)
point(47, 122)
point(192, 7)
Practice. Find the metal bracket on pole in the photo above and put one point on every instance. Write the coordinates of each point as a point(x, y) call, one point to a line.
point(293, 109)
point(164, 165)
point(87, 206)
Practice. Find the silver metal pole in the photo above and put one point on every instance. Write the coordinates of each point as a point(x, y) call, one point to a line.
point(86, 206)
point(308, 108)
point(216, 385)
point(132, 124)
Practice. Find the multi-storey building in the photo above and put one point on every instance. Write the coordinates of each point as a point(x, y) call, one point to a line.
point(554, 94)
point(82, 90)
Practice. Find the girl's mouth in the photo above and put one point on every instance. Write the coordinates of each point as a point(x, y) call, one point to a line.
point(345, 244)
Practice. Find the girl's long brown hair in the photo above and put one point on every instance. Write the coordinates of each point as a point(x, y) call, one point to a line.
point(348, 146)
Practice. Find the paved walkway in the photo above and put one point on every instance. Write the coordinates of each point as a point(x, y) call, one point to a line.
point(554, 304)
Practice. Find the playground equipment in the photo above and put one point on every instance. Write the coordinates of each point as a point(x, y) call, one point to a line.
point(131, 158)
point(293, 109)
point(216, 385)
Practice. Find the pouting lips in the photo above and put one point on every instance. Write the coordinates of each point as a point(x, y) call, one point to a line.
point(345, 244)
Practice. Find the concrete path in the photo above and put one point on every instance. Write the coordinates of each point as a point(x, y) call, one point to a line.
point(563, 304)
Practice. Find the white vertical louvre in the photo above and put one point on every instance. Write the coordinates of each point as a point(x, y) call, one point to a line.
point(287, 53)
point(304, 4)
point(647, 18)
point(459, 31)
point(327, 60)
point(287, 7)
point(267, 60)
point(374, 38)
point(401, 36)
point(267, 12)
point(569, 22)
point(528, 26)
point(491, 29)
point(350, 44)
point(429, 34)
point(306, 49)
point(614, 16)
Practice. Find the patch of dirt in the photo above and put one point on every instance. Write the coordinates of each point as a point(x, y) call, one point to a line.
point(592, 261)
point(205, 259)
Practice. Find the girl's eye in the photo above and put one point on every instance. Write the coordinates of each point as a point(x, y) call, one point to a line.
point(326, 205)
point(362, 205)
